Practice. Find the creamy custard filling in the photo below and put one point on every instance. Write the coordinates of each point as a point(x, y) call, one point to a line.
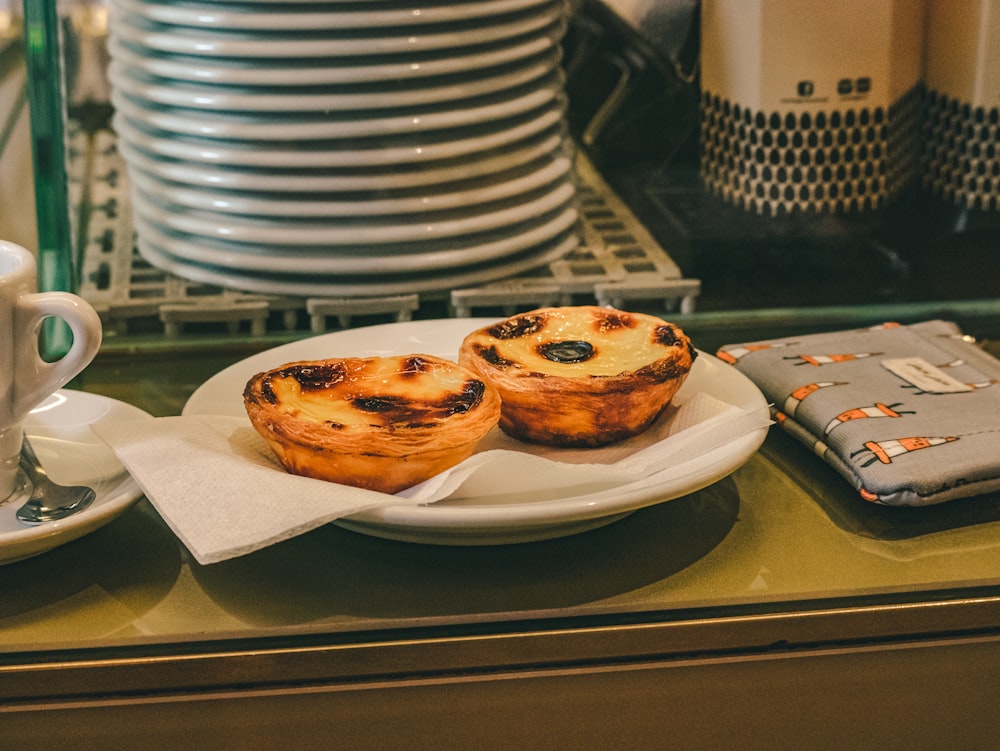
point(600, 346)
point(381, 392)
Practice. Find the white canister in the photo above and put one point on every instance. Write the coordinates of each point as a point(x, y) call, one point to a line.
point(810, 105)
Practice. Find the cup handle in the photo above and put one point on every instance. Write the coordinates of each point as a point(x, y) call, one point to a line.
point(35, 379)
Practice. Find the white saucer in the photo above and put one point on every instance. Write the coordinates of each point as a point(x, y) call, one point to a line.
point(285, 45)
point(212, 16)
point(472, 521)
point(363, 231)
point(332, 180)
point(212, 98)
point(324, 71)
point(325, 126)
point(508, 186)
point(60, 433)
point(319, 285)
point(354, 260)
point(342, 156)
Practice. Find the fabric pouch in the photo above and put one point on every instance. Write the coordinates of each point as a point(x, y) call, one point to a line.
point(909, 415)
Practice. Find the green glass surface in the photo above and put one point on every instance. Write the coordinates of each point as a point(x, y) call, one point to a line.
point(43, 57)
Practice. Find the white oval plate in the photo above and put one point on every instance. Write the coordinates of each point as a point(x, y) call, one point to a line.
point(500, 188)
point(349, 155)
point(336, 262)
point(474, 521)
point(211, 98)
point(368, 230)
point(331, 180)
point(60, 433)
point(214, 43)
point(212, 16)
point(324, 71)
point(334, 285)
point(320, 126)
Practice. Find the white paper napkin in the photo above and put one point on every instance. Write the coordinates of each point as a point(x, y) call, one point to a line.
point(218, 486)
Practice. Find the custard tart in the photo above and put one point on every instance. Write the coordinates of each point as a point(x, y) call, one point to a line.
point(581, 376)
point(382, 423)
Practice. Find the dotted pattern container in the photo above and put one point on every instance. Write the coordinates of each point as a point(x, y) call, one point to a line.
point(617, 263)
point(962, 152)
point(837, 161)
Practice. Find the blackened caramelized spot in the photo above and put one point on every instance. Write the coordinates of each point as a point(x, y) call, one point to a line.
point(470, 395)
point(666, 335)
point(515, 328)
point(612, 320)
point(571, 350)
point(414, 366)
point(490, 355)
point(309, 377)
point(401, 410)
point(314, 377)
point(266, 392)
point(380, 403)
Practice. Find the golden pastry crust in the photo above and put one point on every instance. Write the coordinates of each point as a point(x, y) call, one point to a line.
point(382, 423)
point(580, 376)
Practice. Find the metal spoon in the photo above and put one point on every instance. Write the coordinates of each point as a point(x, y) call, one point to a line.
point(49, 500)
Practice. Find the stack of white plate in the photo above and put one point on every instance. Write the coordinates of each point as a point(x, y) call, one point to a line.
point(326, 147)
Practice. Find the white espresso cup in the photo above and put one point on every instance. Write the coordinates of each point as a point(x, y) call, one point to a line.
point(26, 378)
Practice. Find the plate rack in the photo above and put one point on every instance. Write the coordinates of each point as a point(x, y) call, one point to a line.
point(618, 263)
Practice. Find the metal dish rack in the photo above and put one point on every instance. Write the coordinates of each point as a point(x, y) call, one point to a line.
point(618, 263)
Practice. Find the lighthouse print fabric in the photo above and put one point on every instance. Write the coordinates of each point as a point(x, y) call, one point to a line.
point(909, 415)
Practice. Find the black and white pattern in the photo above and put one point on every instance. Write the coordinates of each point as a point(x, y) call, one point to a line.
point(836, 161)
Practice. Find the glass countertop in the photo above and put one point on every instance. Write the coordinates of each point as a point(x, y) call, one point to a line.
point(782, 534)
